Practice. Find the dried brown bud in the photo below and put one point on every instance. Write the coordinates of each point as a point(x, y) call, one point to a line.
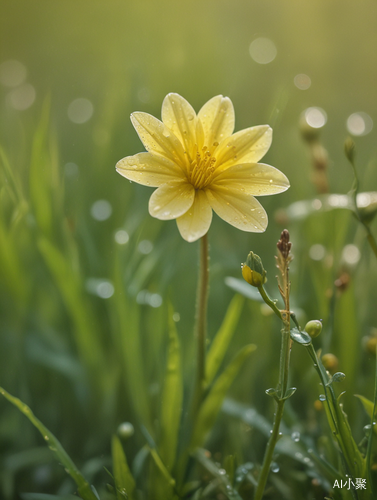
point(284, 245)
point(342, 282)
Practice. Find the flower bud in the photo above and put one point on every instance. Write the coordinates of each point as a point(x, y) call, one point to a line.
point(313, 328)
point(330, 362)
point(253, 271)
point(349, 149)
point(371, 345)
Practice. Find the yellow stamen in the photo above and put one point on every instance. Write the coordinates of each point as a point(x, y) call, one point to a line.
point(201, 168)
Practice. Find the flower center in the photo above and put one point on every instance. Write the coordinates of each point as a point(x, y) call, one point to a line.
point(202, 168)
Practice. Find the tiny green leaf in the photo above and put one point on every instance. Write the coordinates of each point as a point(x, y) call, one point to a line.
point(300, 337)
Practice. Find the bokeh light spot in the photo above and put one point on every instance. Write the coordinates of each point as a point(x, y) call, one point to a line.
point(145, 247)
point(71, 169)
point(100, 287)
point(315, 117)
point(80, 110)
point(121, 237)
point(317, 252)
point(101, 210)
point(359, 124)
point(22, 97)
point(351, 254)
point(12, 73)
point(144, 95)
point(302, 81)
point(262, 50)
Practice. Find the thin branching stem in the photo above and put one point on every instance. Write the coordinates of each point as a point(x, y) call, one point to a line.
point(285, 350)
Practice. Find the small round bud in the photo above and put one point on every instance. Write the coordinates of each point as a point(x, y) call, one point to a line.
point(125, 430)
point(318, 405)
point(371, 345)
point(313, 328)
point(330, 362)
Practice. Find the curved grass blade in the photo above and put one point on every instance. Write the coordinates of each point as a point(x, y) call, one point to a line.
point(83, 486)
point(69, 283)
point(124, 482)
point(172, 396)
point(223, 337)
point(212, 404)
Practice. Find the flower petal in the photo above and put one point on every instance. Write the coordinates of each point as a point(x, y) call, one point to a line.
point(149, 170)
point(171, 200)
point(157, 138)
point(246, 146)
point(257, 179)
point(217, 118)
point(239, 209)
point(179, 116)
point(195, 223)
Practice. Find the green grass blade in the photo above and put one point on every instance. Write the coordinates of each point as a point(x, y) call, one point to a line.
point(162, 468)
point(172, 396)
point(40, 172)
point(223, 337)
point(70, 287)
point(82, 485)
point(129, 345)
point(212, 404)
point(124, 482)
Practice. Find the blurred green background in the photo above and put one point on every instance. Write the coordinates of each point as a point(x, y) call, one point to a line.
point(87, 274)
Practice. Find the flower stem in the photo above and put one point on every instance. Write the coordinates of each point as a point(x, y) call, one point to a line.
point(201, 322)
point(283, 383)
point(283, 259)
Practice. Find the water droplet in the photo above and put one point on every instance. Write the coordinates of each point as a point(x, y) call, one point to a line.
point(222, 472)
point(274, 467)
point(295, 436)
point(322, 397)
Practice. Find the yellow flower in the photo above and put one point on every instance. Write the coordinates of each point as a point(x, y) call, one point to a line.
point(199, 166)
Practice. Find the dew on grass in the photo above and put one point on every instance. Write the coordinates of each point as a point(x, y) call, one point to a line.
point(295, 436)
point(274, 467)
